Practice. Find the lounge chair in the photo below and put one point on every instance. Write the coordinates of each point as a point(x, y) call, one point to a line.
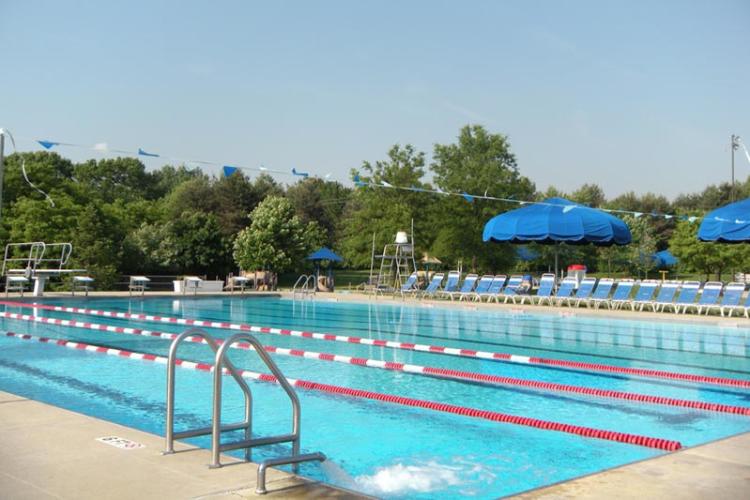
point(621, 295)
point(601, 293)
point(544, 292)
point(434, 286)
point(451, 284)
point(709, 297)
point(686, 298)
point(645, 294)
point(510, 292)
point(410, 285)
point(496, 287)
point(665, 297)
point(482, 286)
point(470, 281)
point(565, 292)
point(585, 289)
point(731, 299)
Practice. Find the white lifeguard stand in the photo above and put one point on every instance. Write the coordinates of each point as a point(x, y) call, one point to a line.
point(396, 263)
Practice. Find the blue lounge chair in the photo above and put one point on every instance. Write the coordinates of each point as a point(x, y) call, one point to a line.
point(601, 294)
point(621, 295)
point(665, 297)
point(410, 285)
point(493, 293)
point(731, 299)
point(467, 288)
point(645, 294)
point(686, 298)
point(544, 292)
point(585, 289)
point(709, 296)
point(565, 292)
point(482, 286)
point(511, 290)
point(451, 284)
point(434, 287)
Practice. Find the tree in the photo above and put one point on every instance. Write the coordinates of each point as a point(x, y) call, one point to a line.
point(191, 243)
point(386, 211)
point(703, 257)
point(639, 253)
point(276, 239)
point(96, 246)
point(591, 195)
point(480, 162)
point(112, 179)
point(322, 201)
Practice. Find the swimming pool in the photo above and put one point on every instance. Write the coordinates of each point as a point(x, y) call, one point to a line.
point(393, 450)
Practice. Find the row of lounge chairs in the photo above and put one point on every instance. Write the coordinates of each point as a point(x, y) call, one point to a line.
point(646, 295)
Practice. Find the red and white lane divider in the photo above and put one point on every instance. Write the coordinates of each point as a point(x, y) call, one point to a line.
point(443, 373)
point(493, 416)
point(436, 349)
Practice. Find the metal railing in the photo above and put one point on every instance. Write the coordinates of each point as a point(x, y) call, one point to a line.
point(221, 362)
point(305, 286)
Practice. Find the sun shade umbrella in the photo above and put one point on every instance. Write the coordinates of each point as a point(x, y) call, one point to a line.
point(727, 224)
point(321, 254)
point(664, 259)
point(557, 220)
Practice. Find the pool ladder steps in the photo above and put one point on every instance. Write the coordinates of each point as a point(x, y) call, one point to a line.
point(305, 286)
point(216, 428)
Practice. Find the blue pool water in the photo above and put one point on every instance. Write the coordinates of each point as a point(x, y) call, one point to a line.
point(394, 451)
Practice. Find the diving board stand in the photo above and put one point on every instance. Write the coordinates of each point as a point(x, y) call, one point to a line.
point(36, 261)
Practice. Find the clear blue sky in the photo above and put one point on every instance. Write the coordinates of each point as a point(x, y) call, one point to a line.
point(633, 95)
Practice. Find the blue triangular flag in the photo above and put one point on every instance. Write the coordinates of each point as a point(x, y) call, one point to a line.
point(48, 144)
point(300, 174)
point(467, 197)
point(358, 182)
point(143, 153)
point(229, 170)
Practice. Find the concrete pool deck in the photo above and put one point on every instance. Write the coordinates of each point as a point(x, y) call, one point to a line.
point(49, 452)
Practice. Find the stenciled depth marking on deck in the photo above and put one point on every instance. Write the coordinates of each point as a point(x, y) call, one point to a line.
point(435, 349)
point(122, 443)
point(493, 416)
point(443, 373)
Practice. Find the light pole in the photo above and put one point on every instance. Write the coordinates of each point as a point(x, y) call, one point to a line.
point(734, 145)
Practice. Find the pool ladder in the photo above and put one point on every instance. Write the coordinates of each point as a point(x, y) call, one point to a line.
point(221, 364)
point(305, 286)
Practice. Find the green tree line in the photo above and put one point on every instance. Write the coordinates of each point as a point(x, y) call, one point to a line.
point(123, 219)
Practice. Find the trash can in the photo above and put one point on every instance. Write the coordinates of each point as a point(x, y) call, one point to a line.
point(577, 271)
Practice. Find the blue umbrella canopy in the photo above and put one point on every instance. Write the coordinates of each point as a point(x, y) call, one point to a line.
point(557, 220)
point(727, 224)
point(324, 254)
point(664, 259)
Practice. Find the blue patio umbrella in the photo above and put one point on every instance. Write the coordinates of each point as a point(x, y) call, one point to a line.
point(727, 224)
point(321, 254)
point(557, 220)
point(324, 253)
point(664, 259)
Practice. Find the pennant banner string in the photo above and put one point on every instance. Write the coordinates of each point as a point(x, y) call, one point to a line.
point(228, 170)
point(23, 168)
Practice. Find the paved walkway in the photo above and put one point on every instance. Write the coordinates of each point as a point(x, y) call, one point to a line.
point(47, 452)
point(711, 471)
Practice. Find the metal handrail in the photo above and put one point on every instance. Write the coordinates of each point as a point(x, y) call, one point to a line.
point(248, 443)
point(303, 286)
point(36, 252)
point(170, 435)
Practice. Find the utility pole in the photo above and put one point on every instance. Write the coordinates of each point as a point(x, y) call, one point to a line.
point(2, 168)
point(734, 145)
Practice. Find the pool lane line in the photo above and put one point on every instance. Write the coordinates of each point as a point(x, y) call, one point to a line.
point(435, 349)
point(272, 313)
point(493, 416)
point(436, 372)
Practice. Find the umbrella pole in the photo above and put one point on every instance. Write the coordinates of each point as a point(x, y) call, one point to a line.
point(557, 250)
